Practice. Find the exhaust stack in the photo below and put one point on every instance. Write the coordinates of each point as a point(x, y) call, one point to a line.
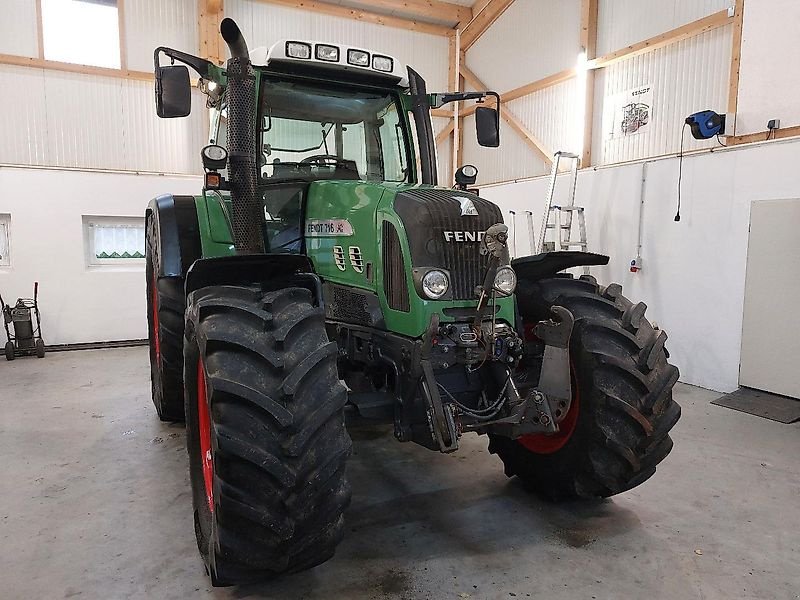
point(242, 165)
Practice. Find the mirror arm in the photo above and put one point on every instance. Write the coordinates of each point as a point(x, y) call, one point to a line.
point(439, 100)
point(202, 66)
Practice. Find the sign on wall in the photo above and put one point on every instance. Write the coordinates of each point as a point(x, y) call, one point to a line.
point(630, 112)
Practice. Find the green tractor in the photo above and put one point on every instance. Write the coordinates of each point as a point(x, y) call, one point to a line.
point(322, 272)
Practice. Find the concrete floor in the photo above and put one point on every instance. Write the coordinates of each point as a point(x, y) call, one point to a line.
point(95, 504)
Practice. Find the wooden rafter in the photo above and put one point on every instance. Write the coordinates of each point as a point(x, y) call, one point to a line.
point(209, 17)
point(535, 144)
point(695, 28)
point(365, 16)
point(435, 10)
point(484, 16)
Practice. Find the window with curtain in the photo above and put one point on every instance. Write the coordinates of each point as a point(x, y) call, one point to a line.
point(114, 240)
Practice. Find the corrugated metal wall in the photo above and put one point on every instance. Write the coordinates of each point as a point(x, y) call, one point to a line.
point(153, 23)
point(625, 22)
point(18, 28)
point(530, 41)
point(535, 38)
point(264, 24)
point(87, 121)
point(686, 77)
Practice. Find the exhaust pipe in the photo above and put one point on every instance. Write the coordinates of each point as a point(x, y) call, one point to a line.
point(242, 165)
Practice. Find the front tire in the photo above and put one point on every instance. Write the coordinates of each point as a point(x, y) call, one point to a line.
point(622, 407)
point(165, 307)
point(265, 432)
point(10, 355)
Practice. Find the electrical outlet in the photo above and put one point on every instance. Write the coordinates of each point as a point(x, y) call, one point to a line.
point(730, 125)
point(774, 124)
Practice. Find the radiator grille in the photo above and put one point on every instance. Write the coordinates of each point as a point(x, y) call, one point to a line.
point(347, 305)
point(427, 214)
point(394, 270)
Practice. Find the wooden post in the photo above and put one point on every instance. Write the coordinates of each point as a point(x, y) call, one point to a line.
point(209, 17)
point(123, 40)
point(589, 9)
point(39, 30)
point(736, 60)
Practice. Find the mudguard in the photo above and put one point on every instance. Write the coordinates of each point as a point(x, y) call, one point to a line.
point(178, 234)
point(547, 264)
point(262, 269)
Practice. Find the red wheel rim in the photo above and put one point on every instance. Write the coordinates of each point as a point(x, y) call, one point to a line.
point(548, 443)
point(204, 426)
point(156, 327)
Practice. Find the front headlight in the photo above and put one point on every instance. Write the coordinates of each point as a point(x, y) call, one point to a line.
point(435, 284)
point(505, 281)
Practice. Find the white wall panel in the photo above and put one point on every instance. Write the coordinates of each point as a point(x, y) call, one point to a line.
point(687, 77)
point(263, 24)
point(86, 121)
point(553, 115)
point(514, 159)
point(531, 40)
point(625, 22)
point(694, 271)
point(153, 23)
point(769, 81)
point(23, 128)
point(79, 303)
point(18, 28)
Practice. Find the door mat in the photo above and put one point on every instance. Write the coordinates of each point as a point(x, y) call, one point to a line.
point(762, 404)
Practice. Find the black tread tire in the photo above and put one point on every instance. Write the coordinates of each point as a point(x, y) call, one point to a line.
point(10, 351)
point(278, 437)
point(40, 351)
point(166, 374)
point(626, 405)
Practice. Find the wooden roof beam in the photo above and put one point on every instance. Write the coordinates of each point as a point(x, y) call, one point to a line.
point(365, 16)
point(434, 10)
point(535, 144)
point(484, 15)
point(695, 28)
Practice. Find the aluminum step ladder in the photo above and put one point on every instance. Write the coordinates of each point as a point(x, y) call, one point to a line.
point(559, 217)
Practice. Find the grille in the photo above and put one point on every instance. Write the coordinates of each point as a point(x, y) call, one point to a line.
point(347, 305)
point(338, 258)
point(394, 270)
point(356, 259)
point(427, 214)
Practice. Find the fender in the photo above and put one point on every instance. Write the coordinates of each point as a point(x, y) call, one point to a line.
point(178, 233)
point(261, 269)
point(547, 264)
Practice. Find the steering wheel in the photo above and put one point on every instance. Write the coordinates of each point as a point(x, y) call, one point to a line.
point(321, 159)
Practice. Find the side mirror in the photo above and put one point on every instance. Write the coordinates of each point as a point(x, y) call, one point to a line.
point(173, 92)
point(487, 124)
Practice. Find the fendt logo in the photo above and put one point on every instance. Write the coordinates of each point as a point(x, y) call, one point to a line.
point(463, 236)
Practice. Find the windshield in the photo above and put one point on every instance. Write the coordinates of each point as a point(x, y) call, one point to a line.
point(313, 132)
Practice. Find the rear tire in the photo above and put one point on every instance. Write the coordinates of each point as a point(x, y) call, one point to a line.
point(272, 496)
point(165, 309)
point(10, 351)
point(625, 408)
